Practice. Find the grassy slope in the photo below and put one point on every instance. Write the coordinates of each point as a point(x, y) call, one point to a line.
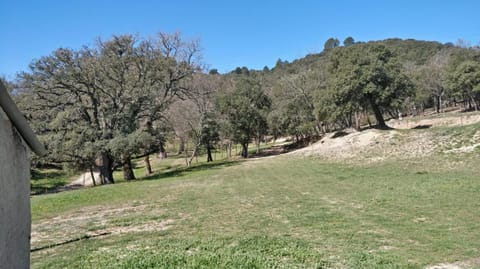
point(279, 212)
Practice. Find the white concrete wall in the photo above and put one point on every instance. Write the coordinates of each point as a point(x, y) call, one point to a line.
point(14, 198)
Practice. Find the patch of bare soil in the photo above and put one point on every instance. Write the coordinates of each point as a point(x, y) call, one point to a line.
point(93, 221)
point(467, 264)
point(373, 145)
point(86, 179)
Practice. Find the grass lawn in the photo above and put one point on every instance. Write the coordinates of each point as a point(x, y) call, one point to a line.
point(50, 180)
point(280, 212)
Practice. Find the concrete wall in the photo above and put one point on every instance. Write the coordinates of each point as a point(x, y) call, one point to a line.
point(14, 198)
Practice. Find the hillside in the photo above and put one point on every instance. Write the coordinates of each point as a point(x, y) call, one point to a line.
point(408, 50)
point(410, 138)
point(290, 211)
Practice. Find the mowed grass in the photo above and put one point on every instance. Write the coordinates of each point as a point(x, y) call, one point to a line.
point(280, 212)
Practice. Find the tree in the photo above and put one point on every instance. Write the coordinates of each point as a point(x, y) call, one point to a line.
point(9, 85)
point(367, 75)
point(348, 41)
point(190, 116)
point(95, 99)
point(462, 43)
point(465, 81)
point(245, 110)
point(209, 134)
point(294, 106)
point(432, 77)
point(331, 43)
point(213, 71)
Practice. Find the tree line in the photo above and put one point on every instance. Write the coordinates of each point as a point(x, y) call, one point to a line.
point(100, 106)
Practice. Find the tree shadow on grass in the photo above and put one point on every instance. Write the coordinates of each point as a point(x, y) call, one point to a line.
point(424, 126)
point(177, 171)
point(36, 175)
point(43, 182)
point(50, 187)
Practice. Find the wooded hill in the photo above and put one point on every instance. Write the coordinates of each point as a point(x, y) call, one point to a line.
point(437, 75)
point(100, 106)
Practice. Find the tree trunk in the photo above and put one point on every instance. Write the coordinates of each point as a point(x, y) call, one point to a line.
point(127, 168)
point(181, 146)
point(257, 141)
point(162, 152)
point(245, 150)
point(475, 106)
point(93, 176)
point(194, 153)
point(378, 115)
point(106, 169)
point(148, 166)
point(229, 150)
point(437, 104)
point(209, 154)
point(357, 120)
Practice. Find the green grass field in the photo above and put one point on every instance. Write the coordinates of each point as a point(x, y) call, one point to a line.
point(281, 212)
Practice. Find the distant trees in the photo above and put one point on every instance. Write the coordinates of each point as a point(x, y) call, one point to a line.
point(331, 43)
point(465, 81)
point(348, 41)
point(245, 110)
point(203, 128)
point(294, 106)
point(432, 77)
point(213, 71)
point(334, 42)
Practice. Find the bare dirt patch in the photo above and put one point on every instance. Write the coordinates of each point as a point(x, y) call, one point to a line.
point(467, 264)
point(86, 179)
point(96, 220)
point(371, 145)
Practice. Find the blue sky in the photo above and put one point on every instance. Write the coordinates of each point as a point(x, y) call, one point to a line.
point(232, 33)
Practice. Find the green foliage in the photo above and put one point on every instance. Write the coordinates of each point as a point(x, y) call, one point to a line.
point(416, 51)
point(431, 79)
point(245, 110)
point(465, 80)
point(348, 41)
point(419, 61)
point(209, 131)
point(95, 101)
point(367, 75)
point(331, 43)
point(293, 106)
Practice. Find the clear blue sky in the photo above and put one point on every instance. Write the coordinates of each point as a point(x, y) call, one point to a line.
point(232, 33)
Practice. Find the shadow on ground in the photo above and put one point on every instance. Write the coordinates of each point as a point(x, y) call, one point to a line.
point(177, 171)
point(39, 187)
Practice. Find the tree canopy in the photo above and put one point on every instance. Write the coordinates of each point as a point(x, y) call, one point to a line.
point(245, 110)
point(367, 75)
point(95, 100)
